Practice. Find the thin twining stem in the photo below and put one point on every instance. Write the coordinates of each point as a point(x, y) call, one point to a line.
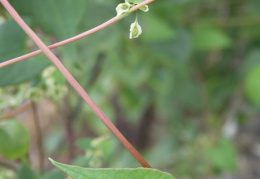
point(77, 37)
point(74, 84)
point(17, 111)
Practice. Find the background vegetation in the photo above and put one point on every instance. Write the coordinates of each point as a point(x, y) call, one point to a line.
point(186, 93)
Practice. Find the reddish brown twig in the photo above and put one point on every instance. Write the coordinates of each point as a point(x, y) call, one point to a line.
point(8, 164)
point(17, 111)
point(74, 83)
point(77, 37)
point(38, 133)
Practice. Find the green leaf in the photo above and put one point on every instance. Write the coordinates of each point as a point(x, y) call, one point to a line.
point(210, 38)
point(25, 173)
point(223, 155)
point(252, 85)
point(251, 61)
point(179, 48)
point(12, 44)
point(133, 103)
point(58, 17)
point(54, 174)
point(156, 29)
point(15, 139)
point(88, 173)
point(59, 78)
point(85, 143)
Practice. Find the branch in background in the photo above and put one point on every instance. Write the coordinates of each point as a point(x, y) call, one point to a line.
point(9, 165)
point(2, 12)
point(121, 122)
point(38, 133)
point(77, 37)
point(229, 116)
point(70, 115)
point(204, 97)
point(95, 71)
point(69, 134)
point(144, 127)
point(75, 84)
point(17, 111)
point(137, 134)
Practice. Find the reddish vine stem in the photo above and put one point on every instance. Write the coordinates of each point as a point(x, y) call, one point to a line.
point(77, 37)
point(74, 84)
point(10, 165)
point(17, 111)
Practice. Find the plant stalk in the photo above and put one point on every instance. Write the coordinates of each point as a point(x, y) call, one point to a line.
point(74, 84)
point(77, 37)
point(38, 133)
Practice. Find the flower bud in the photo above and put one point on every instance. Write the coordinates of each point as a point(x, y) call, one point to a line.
point(56, 92)
point(135, 30)
point(35, 94)
point(122, 8)
point(144, 8)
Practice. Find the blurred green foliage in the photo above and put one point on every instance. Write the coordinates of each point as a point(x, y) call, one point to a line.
point(14, 140)
point(168, 91)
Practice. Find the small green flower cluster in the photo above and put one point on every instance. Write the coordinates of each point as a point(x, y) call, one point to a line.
point(135, 28)
point(52, 86)
point(95, 154)
point(97, 150)
point(12, 96)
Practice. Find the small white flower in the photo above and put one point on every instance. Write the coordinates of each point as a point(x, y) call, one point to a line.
point(122, 8)
point(144, 8)
point(135, 30)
